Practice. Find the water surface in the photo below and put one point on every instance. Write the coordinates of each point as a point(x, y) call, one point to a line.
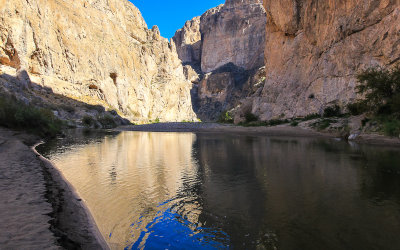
point(217, 191)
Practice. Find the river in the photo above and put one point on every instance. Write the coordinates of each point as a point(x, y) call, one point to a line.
point(151, 190)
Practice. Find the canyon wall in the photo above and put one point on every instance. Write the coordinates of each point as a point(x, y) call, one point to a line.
point(97, 52)
point(315, 48)
point(234, 34)
point(101, 52)
point(223, 54)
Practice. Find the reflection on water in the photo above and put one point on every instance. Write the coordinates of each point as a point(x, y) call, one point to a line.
point(214, 191)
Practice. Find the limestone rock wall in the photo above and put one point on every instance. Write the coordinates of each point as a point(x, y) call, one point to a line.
point(315, 48)
point(225, 47)
point(188, 41)
point(97, 52)
point(234, 34)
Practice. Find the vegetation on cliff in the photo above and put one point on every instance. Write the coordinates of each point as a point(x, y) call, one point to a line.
point(379, 105)
point(15, 114)
point(381, 90)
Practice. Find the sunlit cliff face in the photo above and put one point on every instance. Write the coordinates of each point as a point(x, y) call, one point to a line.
point(138, 171)
point(98, 52)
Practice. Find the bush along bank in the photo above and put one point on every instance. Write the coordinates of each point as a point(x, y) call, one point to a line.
point(377, 112)
point(16, 114)
point(381, 103)
point(49, 120)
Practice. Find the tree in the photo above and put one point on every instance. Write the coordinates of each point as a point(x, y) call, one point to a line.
point(381, 88)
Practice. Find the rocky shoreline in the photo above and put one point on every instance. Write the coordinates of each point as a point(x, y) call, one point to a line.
point(40, 209)
point(280, 130)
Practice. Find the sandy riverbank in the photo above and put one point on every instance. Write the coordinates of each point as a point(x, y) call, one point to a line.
point(281, 130)
point(221, 128)
point(39, 209)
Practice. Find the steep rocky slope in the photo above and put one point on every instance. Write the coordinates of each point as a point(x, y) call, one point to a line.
point(223, 52)
point(315, 48)
point(94, 51)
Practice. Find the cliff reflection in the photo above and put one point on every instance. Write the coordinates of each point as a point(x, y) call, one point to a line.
point(124, 178)
point(207, 191)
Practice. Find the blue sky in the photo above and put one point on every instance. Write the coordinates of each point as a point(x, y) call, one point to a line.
point(171, 15)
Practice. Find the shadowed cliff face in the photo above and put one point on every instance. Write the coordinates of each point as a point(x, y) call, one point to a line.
point(314, 50)
point(80, 47)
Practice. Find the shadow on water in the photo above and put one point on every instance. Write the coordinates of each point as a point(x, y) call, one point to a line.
point(301, 193)
point(207, 191)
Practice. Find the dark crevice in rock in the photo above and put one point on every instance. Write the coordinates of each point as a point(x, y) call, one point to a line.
point(114, 76)
point(13, 58)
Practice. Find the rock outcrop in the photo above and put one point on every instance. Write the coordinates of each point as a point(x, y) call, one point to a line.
point(97, 52)
point(225, 47)
point(233, 33)
point(188, 40)
point(314, 50)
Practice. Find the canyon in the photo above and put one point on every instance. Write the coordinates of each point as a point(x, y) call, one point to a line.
point(87, 61)
point(274, 59)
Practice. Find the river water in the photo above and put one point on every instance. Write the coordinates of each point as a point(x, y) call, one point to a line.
point(219, 191)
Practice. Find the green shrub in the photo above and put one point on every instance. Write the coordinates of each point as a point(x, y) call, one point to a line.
point(88, 121)
point(381, 88)
point(107, 121)
point(275, 122)
point(364, 121)
point(332, 111)
point(157, 120)
point(357, 108)
point(225, 117)
point(15, 114)
point(311, 117)
point(294, 123)
point(392, 127)
point(250, 117)
point(322, 124)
